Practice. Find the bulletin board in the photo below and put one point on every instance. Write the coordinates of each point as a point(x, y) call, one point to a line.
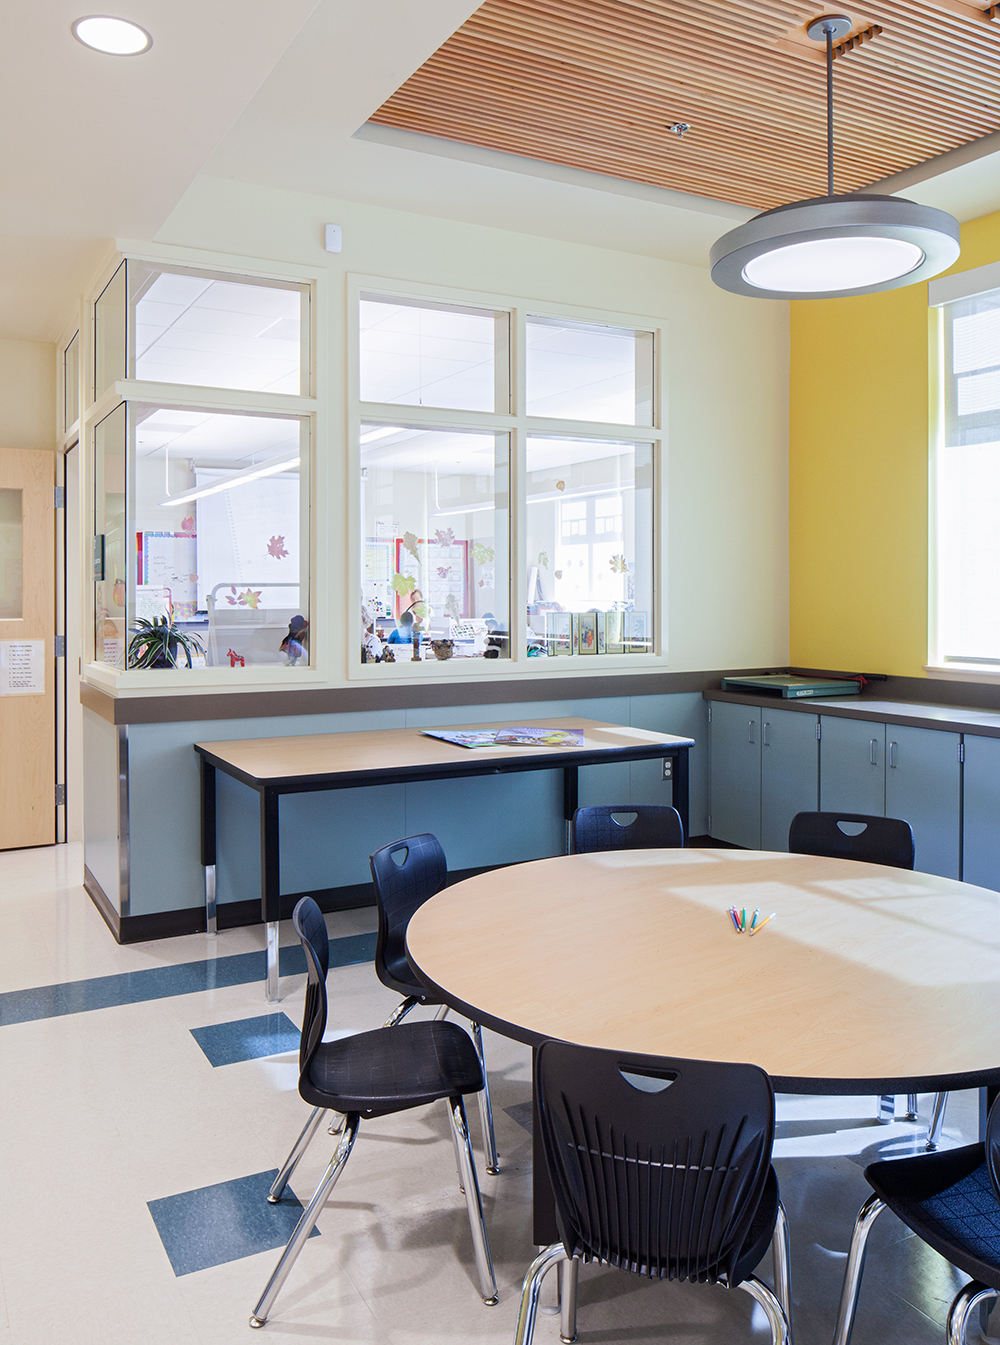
point(169, 560)
point(443, 570)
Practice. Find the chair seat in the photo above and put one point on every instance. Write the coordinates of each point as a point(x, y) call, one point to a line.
point(947, 1199)
point(397, 974)
point(392, 1069)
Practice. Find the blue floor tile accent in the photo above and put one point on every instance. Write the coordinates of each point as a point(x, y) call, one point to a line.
point(247, 1038)
point(222, 1223)
point(136, 987)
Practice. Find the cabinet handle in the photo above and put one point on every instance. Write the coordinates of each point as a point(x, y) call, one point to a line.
point(763, 734)
point(871, 750)
point(750, 735)
point(892, 755)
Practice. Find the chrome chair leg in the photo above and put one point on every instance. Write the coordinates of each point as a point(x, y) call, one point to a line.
point(486, 1108)
point(305, 1225)
point(911, 1107)
point(885, 1108)
point(336, 1124)
point(937, 1120)
point(458, 1152)
point(298, 1149)
point(569, 1277)
point(474, 1203)
point(768, 1301)
point(539, 1268)
point(781, 1259)
point(969, 1297)
point(441, 1014)
point(867, 1215)
point(401, 1010)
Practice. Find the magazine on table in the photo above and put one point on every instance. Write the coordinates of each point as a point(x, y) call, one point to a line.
point(509, 737)
point(463, 737)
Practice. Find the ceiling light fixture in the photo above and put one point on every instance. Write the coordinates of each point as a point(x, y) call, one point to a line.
point(834, 246)
point(115, 37)
point(285, 464)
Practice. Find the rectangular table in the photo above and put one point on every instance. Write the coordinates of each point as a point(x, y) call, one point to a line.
point(316, 762)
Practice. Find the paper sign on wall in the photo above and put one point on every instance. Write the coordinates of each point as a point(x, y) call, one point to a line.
point(22, 667)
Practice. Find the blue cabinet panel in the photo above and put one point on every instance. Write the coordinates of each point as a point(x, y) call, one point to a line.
point(852, 766)
point(981, 818)
point(923, 785)
point(789, 773)
point(735, 756)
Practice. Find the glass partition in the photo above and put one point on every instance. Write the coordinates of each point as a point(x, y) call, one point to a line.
point(71, 382)
point(589, 546)
point(206, 330)
point(110, 349)
point(416, 353)
point(434, 507)
point(11, 555)
point(588, 371)
point(217, 529)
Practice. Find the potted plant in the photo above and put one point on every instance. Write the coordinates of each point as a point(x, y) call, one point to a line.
point(155, 644)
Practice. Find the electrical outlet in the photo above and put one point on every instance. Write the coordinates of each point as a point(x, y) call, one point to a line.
point(668, 768)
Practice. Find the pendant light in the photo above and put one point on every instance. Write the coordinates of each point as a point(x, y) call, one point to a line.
point(833, 246)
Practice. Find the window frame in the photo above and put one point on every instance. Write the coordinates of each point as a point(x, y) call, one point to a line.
point(307, 408)
point(520, 426)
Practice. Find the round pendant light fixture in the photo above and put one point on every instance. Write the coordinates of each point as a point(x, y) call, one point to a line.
point(115, 37)
point(833, 246)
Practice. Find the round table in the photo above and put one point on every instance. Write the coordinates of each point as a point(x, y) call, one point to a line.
point(869, 980)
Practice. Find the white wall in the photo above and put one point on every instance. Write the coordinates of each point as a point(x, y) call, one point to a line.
point(726, 362)
point(27, 394)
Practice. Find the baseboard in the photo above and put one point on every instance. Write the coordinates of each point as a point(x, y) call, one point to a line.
point(232, 914)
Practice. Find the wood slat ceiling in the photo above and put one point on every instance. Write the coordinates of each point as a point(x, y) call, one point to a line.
point(596, 84)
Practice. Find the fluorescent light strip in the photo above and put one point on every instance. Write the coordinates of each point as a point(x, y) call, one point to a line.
point(251, 474)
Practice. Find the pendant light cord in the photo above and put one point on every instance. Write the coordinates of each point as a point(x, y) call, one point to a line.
point(829, 110)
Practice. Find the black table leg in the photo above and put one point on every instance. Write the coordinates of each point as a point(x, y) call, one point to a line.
point(543, 1209)
point(270, 900)
point(571, 793)
point(208, 841)
point(680, 787)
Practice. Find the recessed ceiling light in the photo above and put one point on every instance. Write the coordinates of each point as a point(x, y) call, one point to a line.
point(117, 37)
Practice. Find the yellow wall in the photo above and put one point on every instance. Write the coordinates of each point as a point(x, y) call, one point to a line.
point(858, 445)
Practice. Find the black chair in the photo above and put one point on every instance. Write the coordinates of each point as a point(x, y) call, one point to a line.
point(875, 840)
point(644, 826)
point(661, 1167)
point(406, 874)
point(375, 1074)
point(950, 1200)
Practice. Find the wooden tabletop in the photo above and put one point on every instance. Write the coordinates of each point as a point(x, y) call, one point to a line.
point(868, 979)
point(260, 760)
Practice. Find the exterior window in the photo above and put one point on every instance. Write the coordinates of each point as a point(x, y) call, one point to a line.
point(967, 500)
point(201, 516)
point(437, 506)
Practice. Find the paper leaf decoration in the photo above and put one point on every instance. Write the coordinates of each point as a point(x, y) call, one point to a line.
point(543, 559)
point(481, 554)
point(276, 548)
point(410, 543)
point(618, 565)
point(403, 583)
point(445, 536)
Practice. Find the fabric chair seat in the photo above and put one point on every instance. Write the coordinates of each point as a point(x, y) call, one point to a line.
point(947, 1199)
point(377, 1073)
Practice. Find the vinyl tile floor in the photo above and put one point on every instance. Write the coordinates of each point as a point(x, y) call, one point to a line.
point(141, 1124)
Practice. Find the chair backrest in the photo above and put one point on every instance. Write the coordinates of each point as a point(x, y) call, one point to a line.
point(406, 874)
point(876, 840)
point(992, 1147)
point(644, 826)
point(307, 919)
point(664, 1183)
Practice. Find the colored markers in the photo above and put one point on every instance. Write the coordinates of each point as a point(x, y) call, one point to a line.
point(739, 919)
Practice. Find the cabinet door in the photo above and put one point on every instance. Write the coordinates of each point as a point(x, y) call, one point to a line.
point(981, 814)
point(789, 773)
point(736, 774)
point(923, 785)
point(851, 766)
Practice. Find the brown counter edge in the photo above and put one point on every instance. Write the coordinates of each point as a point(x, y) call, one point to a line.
point(339, 700)
point(853, 708)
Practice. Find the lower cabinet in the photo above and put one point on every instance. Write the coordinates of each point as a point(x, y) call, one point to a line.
point(767, 765)
point(981, 812)
point(764, 770)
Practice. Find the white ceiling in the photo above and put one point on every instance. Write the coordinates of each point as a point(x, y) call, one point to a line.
point(99, 147)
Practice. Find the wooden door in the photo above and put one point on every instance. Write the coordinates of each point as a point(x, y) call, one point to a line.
point(27, 617)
